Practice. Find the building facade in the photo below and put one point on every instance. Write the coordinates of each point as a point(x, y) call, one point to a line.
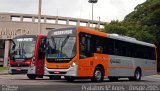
point(15, 24)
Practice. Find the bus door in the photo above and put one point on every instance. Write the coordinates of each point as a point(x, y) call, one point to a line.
point(86, 58)
point(41, 57)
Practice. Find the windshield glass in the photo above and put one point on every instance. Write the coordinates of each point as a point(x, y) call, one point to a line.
point(22, 48)
point(61, 47)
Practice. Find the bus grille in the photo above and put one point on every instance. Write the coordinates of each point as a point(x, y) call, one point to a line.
point(19, 65)
point(19, 72)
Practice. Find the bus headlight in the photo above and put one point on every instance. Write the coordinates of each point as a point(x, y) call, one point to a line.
point(73, 64)
point(33, 61)
point(45, 65)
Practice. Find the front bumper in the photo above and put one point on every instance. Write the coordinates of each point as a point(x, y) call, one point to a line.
point(72, 71)
point(18, 70)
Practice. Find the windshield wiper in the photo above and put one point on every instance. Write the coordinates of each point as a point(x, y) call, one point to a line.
point(65, 41)
point(22, 49)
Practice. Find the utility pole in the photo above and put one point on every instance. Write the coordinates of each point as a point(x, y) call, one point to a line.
point(39, 16)
point(92, 1)
point(92, 13)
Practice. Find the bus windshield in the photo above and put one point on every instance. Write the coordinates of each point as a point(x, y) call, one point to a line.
point(22, 48)
point(61, 47)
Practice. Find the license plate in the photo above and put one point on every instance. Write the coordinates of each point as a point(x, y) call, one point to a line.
point(56, 72)
point(18, 69)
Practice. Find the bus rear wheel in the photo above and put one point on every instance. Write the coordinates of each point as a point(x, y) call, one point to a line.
point(137, 75)
point(31, 76)
point(98, 75)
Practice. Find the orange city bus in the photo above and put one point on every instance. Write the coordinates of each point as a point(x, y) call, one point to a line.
point(79, 52)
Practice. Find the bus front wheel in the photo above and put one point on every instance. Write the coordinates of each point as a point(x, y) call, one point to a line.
point(31, 76)
point(98, 75)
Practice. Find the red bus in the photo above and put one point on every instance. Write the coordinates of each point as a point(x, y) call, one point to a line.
point(27, 55)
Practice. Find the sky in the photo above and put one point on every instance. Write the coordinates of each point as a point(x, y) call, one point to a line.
point(107, 10)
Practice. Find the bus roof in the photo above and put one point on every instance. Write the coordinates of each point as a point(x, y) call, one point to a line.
point(129, 39)
point(115, 36)
point(112, 36)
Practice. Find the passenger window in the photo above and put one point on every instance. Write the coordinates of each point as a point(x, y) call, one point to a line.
point(86, 49)
point(99, 45)
point(99, 49)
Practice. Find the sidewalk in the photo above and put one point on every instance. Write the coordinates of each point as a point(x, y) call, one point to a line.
point(4, 72)
point(157, 75)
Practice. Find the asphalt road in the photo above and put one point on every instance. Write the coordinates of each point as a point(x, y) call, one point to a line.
point(22, 83)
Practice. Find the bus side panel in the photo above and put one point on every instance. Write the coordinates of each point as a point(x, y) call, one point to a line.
point(126, 66)
point(88, 65)
point(150, 67)
point(85, 67)
point(121, 66)
point(38, 63)
point(101, 59)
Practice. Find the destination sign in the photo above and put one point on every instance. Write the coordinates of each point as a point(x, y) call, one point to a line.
point(25, 39)
point(64, 32)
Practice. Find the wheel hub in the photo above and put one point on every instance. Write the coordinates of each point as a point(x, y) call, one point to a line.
point(137, 75)
point(98, 75)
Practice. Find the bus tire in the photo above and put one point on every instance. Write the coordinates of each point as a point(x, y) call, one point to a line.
point(31, 76)
point(54, 77)
point(98, 75)
point(69, 78)
point(137, 75)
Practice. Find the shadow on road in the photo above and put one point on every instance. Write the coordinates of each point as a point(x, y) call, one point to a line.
point(85, 81)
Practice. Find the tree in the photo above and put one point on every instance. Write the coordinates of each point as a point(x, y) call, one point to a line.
point(115, 27)
point(143, 23)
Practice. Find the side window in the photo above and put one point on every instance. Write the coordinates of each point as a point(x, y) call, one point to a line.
point(109, 46)
point(122, 48)
point(86, 46)
point(153, 55)
point(99, 45)
point(116, 47)
point(42, 44)
point(41, 52)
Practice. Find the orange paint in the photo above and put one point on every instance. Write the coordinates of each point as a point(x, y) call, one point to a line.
point(87, 65)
